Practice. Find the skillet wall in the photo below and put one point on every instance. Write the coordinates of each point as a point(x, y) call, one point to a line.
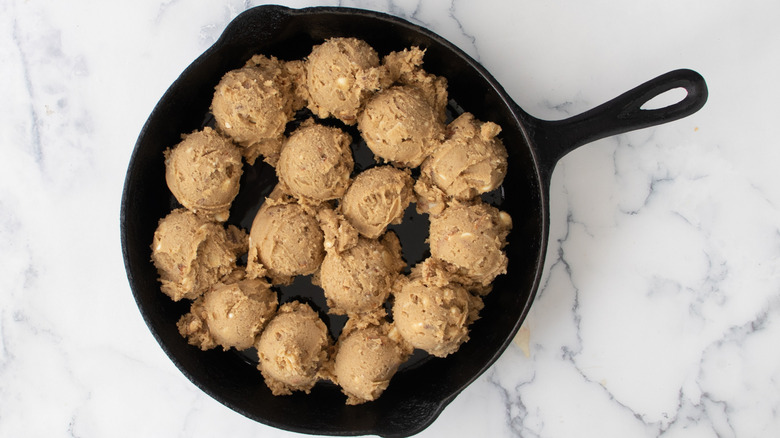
point(417, 394)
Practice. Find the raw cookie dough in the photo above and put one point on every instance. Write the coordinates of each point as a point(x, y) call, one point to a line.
point(366, 358)
point(340, 235)
point(203, 173)
point(192, 254)
point(285, 240)
point(400, 126)
point(377, 198)
point(292, 349)
point(434, 314)
point(253, 104)
point(405, 68)
point(358, 280)
point(229, 315)
point(321, 221)
point(296, 72)
point(471, 238)
point(316, 162)
point(470, 162)
point(340, 74)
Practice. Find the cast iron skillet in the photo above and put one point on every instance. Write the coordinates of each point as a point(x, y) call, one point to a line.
point(424, 386)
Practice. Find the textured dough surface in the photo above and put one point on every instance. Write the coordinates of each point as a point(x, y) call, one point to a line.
point(285, 240)
point(377, 198)
point(192, 254)
point(341, 74)
point(471, 237)
point(367, 357)
point(203, 173)
point(229, 315)
point(405, 68)
point(400, 126)
point(316, 162)
point(470, 162)
point(358, 280)
point(434, 317)
point(253, 104)
point(292, 349)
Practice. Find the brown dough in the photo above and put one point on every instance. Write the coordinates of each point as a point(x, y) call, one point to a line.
point(377, 198)
point(400, 126)
point(470, 162)
point(316, 162)
point(434, 315)
point(285, 240)
point(292, 349)
point(341, 74)
point(471, 238)
point(203, 173)
point(229, 315)
point(358, 280)
point(253, 104)
point(192, 254)
point(367, 357)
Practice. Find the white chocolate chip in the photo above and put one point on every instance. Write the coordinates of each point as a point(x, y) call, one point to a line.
point(221, 217)
point(505, 218)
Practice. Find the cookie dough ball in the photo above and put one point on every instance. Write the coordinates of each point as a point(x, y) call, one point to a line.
point(229, 315)
point(340, 74)
point(471, 238)
point(253, 104)
point(377, 198)
point(203, 173)
point(405, 68)
point(285, 240)
point(292, 349)
point(358, 280)
point(366, 359)
point(400, 126)
point(192, 254)
point(470, 162)
point(316, 162)
point(434, 317)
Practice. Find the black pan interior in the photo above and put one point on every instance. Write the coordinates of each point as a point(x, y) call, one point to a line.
point(422, 388)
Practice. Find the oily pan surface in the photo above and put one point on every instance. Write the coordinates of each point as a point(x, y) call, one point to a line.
point(421, 388)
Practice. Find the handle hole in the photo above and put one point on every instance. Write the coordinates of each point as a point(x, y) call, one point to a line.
point(665, 99)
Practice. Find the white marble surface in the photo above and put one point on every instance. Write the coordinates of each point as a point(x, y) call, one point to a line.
point(659, 313)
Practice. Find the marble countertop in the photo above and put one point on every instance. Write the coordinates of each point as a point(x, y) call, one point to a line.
point(659, 310)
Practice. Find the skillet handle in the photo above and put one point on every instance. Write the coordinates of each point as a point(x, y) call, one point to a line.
point(554, 139)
